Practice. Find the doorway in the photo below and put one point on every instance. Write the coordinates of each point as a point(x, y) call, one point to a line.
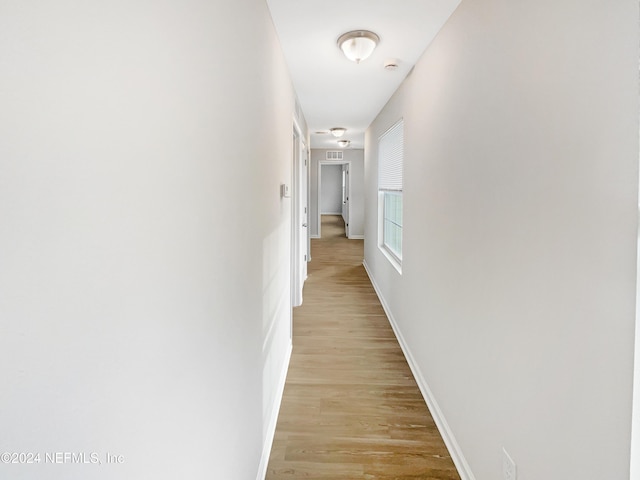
point(334, 186)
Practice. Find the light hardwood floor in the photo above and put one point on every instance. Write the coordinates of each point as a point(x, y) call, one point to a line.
point(351, 408)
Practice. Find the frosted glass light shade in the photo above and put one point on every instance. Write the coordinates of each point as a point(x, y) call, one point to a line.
point(338, 131)
point(358, 45)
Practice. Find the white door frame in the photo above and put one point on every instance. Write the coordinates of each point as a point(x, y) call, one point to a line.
point(635, 411)
point(320, 164)
point(299, 231)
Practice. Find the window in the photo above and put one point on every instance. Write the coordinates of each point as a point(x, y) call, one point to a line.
point(390, 156)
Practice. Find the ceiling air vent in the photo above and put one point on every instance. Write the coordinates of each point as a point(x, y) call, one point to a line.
point(334, 155)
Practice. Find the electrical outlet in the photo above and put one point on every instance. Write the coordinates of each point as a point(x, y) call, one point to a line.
point(508, 466)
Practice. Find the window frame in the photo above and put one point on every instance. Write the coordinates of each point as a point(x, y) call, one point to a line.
point(390, 184)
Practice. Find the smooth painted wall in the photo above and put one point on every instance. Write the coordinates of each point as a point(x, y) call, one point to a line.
point(517, 294)
point(331, 191)
point(138, 316)
point(356, 195)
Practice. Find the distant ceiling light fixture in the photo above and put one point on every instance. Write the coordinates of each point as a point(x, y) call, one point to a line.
point(344, 143)
point(338, 131)
point(358, 45)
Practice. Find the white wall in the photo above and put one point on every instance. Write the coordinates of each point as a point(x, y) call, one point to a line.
point(331, 189)
point(137, 316)
point(356, 195)
point(516, 300)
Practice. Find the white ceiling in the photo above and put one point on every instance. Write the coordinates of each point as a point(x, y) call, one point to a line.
point(335, 92)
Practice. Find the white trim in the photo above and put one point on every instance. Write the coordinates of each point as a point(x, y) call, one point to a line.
point(356, 237)
point(443, 427)
point(391, 257)
point(295, 274)
point(298, 276)
point(273, 421)
point(314, 236)
point(307, 153)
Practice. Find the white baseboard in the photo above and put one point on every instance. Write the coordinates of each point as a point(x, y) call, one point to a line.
point(314, 236)
point(443, 427)
point(331, 213)
point(273, 421)
point(356, 237)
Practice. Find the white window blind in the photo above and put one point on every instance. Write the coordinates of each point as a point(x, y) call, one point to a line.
point(390, 154)
point(390, 160)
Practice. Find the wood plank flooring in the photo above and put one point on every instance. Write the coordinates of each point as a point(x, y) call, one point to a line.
point(351, 408)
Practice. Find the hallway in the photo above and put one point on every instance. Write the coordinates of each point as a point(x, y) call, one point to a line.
point(351, 408)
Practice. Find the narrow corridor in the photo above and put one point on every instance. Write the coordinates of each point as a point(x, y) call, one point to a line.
point(351, 407)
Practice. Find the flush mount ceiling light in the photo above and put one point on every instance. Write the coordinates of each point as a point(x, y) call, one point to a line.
point(338, 131)
point(358, 45)
point(344, 143)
